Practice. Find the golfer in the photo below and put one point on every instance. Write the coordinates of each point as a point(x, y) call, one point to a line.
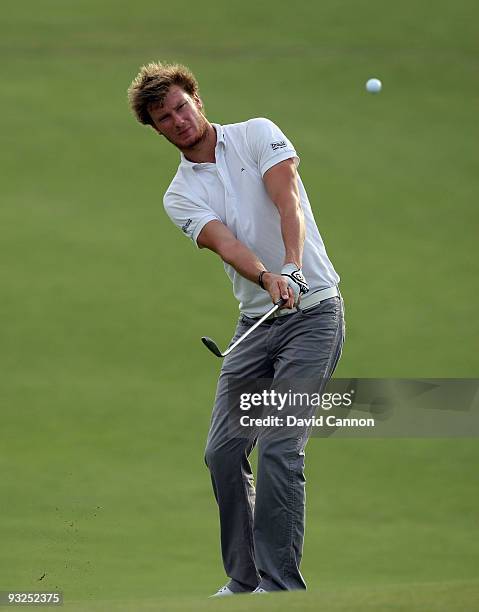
point(237, 192)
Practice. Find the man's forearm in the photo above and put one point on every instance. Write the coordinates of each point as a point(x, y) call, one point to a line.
point(293, 233)
point(243, 260)
point(282, 186)
point(246, 263)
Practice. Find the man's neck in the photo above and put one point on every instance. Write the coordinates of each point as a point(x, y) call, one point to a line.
point(204, 151)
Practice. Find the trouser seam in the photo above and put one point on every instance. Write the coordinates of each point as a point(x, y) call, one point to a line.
point(333, 354)
point(290, 526)
point(249, 535)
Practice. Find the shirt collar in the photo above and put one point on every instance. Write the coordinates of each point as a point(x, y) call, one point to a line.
point(220, 140)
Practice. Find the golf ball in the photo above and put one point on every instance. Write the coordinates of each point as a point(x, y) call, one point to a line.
point(374, 85)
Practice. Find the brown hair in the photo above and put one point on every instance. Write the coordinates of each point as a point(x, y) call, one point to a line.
point(151, 86)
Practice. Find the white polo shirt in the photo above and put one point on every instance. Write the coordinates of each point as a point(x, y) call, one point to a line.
point(232, 191)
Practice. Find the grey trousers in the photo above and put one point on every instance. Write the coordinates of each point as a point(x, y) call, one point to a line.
point(262, 529)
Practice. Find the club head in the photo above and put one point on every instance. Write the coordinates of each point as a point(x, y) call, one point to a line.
point(211, 344)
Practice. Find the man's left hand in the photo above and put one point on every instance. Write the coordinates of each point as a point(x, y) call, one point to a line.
point(296, 280)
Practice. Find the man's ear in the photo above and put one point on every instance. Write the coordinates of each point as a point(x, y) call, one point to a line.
point(198, 101)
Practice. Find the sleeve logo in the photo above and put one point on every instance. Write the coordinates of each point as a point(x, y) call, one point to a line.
point(187, 225)
point(278, 145)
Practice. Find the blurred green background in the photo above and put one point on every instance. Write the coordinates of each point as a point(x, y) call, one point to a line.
point(106, 390)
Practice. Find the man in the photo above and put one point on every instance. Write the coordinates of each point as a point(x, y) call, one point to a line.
point(237, 192)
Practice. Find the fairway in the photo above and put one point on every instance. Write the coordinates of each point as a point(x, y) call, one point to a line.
point(105, 387)
point(415, 597)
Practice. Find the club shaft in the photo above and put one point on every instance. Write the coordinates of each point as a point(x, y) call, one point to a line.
point(253, 327)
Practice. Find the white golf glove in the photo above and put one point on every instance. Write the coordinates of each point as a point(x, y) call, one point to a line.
point(296, 280)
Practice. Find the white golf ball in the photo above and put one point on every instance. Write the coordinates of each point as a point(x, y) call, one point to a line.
point(374, 85)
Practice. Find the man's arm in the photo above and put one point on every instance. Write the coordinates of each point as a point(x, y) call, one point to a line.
point(282, 187)
point(216, 237)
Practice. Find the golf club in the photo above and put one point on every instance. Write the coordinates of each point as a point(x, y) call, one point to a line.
point(211, 344)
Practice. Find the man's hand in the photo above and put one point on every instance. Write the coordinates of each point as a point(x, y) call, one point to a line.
point(296, 281)
point(277, 286)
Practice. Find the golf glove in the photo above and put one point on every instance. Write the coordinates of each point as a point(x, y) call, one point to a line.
point(296, 280)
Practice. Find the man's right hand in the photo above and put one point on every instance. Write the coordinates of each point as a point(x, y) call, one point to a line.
point(277, 286)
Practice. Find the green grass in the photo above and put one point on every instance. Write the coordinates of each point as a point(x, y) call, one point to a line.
point(416, 597)
point(105, 388)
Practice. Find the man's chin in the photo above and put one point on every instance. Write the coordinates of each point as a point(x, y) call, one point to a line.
point(191, 145)
point(194, 140)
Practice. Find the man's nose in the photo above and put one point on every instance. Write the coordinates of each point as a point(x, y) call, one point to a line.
point(178, 120)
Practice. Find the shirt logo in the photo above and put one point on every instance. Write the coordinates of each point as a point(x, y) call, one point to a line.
point(187, 225)
point(278, 145)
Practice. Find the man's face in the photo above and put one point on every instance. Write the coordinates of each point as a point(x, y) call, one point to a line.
point(180, 118)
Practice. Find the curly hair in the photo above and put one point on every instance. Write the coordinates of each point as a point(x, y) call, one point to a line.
point(151, 86)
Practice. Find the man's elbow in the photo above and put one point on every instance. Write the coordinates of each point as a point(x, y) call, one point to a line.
point(217, 238)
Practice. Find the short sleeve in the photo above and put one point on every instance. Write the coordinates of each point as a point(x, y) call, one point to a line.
point(188, 216)
point(268, 144)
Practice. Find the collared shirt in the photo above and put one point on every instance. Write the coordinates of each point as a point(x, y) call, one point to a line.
point(232, 191)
